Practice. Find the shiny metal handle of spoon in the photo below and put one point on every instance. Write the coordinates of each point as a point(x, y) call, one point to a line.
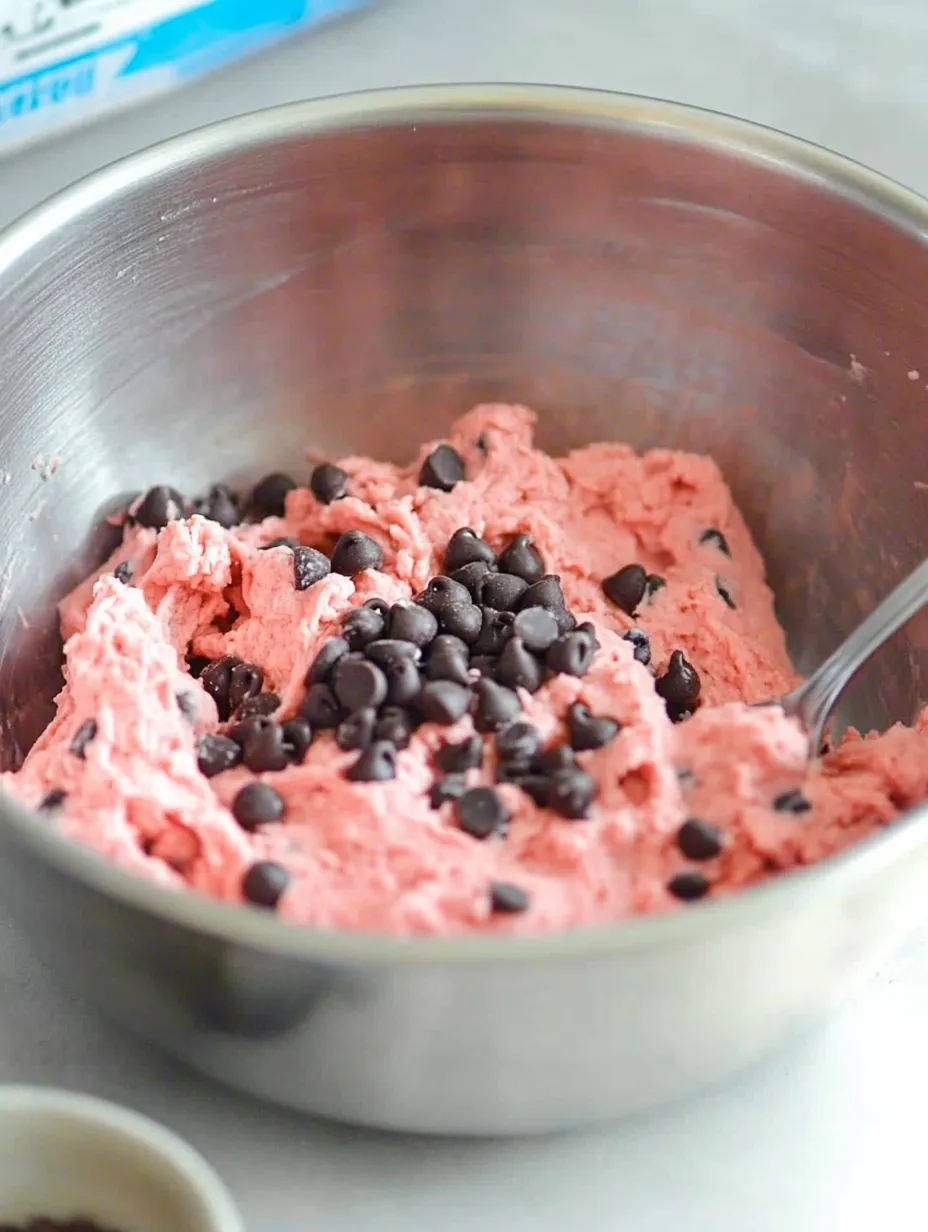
point(813, 700)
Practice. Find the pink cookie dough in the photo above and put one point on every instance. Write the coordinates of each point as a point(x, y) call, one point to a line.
point(376, 856)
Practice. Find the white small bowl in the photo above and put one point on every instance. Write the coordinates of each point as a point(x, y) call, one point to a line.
point(64, 1155)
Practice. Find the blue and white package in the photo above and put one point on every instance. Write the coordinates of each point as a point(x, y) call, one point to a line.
point(63, 61)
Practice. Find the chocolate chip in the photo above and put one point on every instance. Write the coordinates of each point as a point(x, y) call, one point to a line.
point(328, 483)
point(474, 577)
point(187, 705)
point(496, 706)
point(359, 684)
point(626, 588)
point(536, 627)
point(507, 899)
point(388, 651)
point(298, 736)
point(546, 593)
point(448, 659)
point(216, 753)
point(257, 804)
point(264, 751)
point(411, 622)
point(269, 496)
point(715, 538)
point(465, 548)
point(588, 731)
point(571, 793)
point(376, 604)
point(444, 790)
point(220, 505)
point(357, 731)
point(52, 800)
point(242, 731)
point(518, 668)
point(261, 703)
point(522, 559)
point(443, 701)
point(216, 679)
point(443, 592)
point(245, 680)
point(375, 764)
point(725, 594)
point(589, 629)
point(159, 506)
point(518, 741)
point(361, 626)
point(503, 591)
point(463, 620)
point(123, 572)
point(537, 787)
point(792, 801)
point(512, 771)
point(83, 736)
point(403, 681)
point(355, 552)
point(653, 584)
point(322, 666)
point(309, 567)
point(484, 665)
point(481, 812)
point(394, 724)
point(571, 655)
point(697, 840)
point(553, 760)
point(641, 644)
point(680, 685)
point(442, 469)
point(320, 707)
point(282, 541)
point(495, 631)
point(688, 886)
point(264, 884)
point(466, 754)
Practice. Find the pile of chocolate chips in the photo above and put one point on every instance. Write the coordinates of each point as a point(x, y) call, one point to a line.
point(483, 628)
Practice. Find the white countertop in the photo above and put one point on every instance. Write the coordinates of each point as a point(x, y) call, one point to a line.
point(826, 1136)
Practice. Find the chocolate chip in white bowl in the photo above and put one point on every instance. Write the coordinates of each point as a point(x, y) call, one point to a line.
point(264, 883)
point(297, 736)
point(443, 592)
point(463, 620)
point(495, 705)
point(245, 681)
point(480, 812)
point(216, 753)
point(357, 731)
point(221, 506)
point(269, 495)
point(443, 701)
point(328, 483)
point(474, 576)
point(442, 791)
point(546, 593)
point(256, 805)
point(361, 626)
point(641, 645)
point(523, 559)
point(403, 681)
point(309, 567)
point(714, 538)
point(589, 731)
point(679, 686)
point(448, 658)
point(160, 505)
point(571, 655)
point(698, 840)
point(518, 741)
point(571, 793)
point(442, 469)
point(503, 591)
point(375, 764)
point(518, 668)
point(265, 751)
point(321, 707)
point(359, 685)
point(411, 622)
point(465, 547)
point(387, 651)
point(688, 887)
point(536, 627)
point(495, 631)
point(356, 552)
point(396, 724)
point(329, 654)
point(463, 755)
point(507, 898)
point(626, 587)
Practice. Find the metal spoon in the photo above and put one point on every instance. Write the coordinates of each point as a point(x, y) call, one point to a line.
point(813, 701)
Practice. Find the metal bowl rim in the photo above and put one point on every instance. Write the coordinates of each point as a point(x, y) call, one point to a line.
point(429, 104)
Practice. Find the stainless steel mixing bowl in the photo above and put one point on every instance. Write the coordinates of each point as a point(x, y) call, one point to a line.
point(348, 275)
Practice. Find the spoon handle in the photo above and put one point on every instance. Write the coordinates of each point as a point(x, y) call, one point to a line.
point(813, 700)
